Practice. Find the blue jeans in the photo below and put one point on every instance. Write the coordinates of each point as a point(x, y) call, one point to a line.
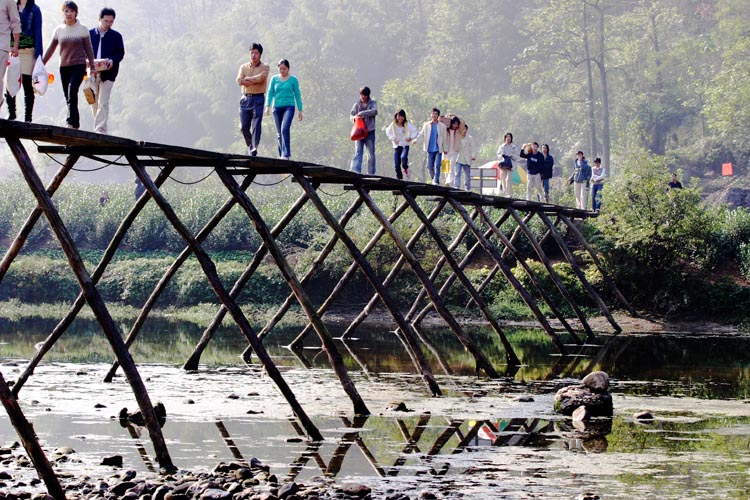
point(71, 77)
point(400, 160)
point(466, 169)
point(596, 196)
point(369, 143)
point(283, 117)
point(434, 158)
point(251, 114)
point(545, 184)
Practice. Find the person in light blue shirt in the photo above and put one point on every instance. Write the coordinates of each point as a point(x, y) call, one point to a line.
point(284, 97)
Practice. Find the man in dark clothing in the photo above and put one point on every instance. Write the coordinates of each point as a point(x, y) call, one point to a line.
point(674, 183)
point(534, 163)
point(109, 50)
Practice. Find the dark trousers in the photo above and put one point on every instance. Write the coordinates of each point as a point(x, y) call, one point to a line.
point(28, 97)
point(251, 114)
point(400, 160)
point(71, 77)
point(283, 117)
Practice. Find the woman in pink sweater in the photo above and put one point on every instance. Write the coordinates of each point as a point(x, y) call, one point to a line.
point(75, 49)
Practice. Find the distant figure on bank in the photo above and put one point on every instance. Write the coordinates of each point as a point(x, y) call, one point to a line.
point(367, 109)
point(75, 49)
point(597, 179)
point(534, 165)
point(139, 188)
point(104, 198)
point(433, 133)
point(109, 50)
point(581, 177)
point(507, 154)
point(401, 133)
point(252, 78)
point(284, 97)
point(547, 170)
point(29, 48)
point(674, 183)
point(466, 159)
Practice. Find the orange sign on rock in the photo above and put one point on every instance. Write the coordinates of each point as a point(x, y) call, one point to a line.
point(726, 169)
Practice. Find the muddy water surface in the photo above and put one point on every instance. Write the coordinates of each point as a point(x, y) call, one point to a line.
point(483, 439)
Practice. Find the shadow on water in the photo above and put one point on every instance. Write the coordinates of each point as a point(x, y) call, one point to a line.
point(485, 440)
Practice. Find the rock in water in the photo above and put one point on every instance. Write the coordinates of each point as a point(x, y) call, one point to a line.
point(569, 398)
point(597, 381)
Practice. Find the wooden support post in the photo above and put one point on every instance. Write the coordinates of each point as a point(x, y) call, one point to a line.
point(213, 278)
point(106, 258)
point(30, 442)
point(492, 251)
point(28, 226)
point(349, 274)
point(510, 355)
point(415, 352)
point(579, 273)
point(314, 268)
point(334, 357)
point(516, 233)
point(436, 270)
point(394, 272)
point(607, 279)
point(94, 300)
point(553, 276)
point(194, 359)
point(482, 363)
point(172, 270)
point(522, 262)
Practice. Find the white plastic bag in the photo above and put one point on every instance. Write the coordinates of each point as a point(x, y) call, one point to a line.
point(13, 76)
point(39, 77)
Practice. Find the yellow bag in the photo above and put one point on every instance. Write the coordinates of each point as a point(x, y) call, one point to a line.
point(445, 166)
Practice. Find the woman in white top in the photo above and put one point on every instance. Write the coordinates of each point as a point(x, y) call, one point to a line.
point(507, 153)
point(401, 133)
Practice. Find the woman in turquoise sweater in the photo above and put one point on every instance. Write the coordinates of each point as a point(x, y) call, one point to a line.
point(284, 96)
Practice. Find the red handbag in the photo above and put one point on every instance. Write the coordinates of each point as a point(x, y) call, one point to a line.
point(359, 131)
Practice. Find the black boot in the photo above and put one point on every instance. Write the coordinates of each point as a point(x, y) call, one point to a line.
point(11, 106)
point(28, 97)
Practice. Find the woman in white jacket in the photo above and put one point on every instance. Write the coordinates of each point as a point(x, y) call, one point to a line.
point(401, 133)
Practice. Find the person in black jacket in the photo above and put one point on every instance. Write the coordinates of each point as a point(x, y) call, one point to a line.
point(534, 163)
point(109, 50)
point(547, 169)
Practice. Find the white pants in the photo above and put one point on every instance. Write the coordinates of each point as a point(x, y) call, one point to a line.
point(4, 56)
point(582, 195)
point(100, 108)
point(534, 183)
point(450, 177)
point(507, 183)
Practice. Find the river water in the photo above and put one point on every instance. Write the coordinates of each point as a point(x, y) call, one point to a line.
point(482, 439)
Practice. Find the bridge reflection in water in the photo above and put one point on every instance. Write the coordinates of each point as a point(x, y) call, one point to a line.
point(474, 210)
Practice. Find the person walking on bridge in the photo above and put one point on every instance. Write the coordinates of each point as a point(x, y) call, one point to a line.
point(109, 50)
point(284, 97)
point(434, 133)
point(367, 109)
point(252, 78)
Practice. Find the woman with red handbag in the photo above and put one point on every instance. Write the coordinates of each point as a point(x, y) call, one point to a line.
point(365, 109)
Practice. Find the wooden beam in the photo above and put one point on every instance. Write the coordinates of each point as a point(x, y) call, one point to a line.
point(78, 304)
point(334, 357)
point(94, 300)
point(482, 363)
point(579, 273)
point(607, 279)
point(213, 278)
point(172, 270)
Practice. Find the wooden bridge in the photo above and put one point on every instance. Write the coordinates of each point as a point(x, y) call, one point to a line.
point(237, 173)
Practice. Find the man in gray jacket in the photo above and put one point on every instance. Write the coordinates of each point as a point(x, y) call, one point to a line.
point(367, 109)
